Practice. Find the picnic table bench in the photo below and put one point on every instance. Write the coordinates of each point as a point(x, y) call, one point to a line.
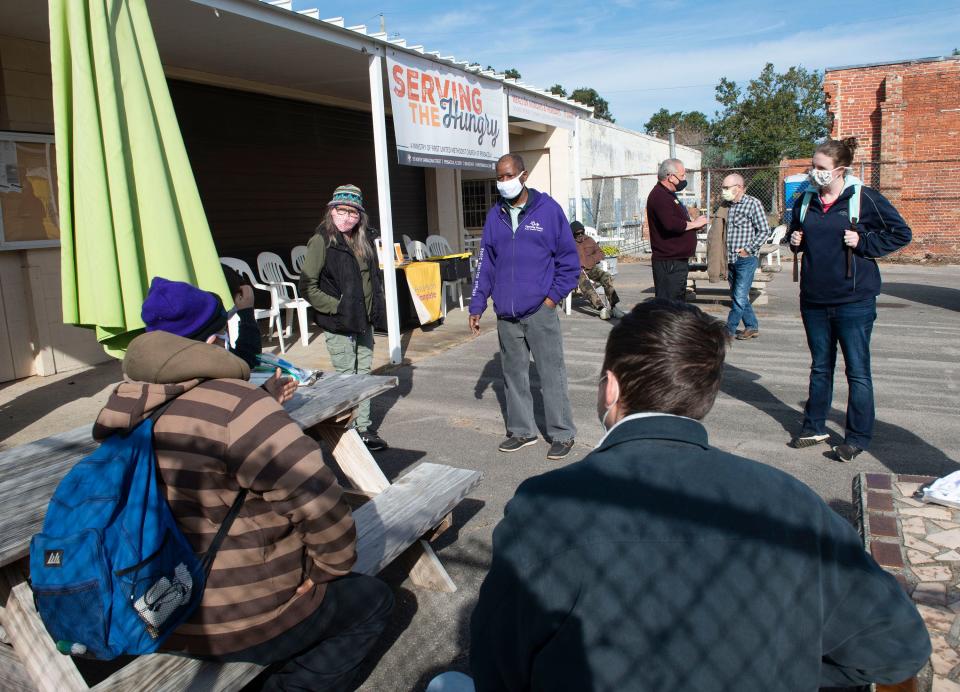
point(390, 519)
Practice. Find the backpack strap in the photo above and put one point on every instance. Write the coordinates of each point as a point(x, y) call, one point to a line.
point(206, 562)
point(805, 204)
point(853, 206)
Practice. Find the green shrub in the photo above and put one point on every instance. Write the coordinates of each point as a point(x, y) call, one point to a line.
point(610, 250)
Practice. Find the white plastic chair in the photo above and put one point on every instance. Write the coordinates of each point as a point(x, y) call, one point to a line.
point(438, 246)
point(275, 275)
point(406, 239)
point(272, 314)
point(297, 256)
point(417, 250)
point(775, 239)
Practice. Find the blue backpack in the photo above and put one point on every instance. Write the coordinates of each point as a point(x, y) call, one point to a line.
point(111, 572)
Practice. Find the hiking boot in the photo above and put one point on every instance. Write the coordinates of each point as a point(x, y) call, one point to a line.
point(808, 440)
point(616, 313)
point(560, 449)
point(604, 314)
point(846, 452)
point(513, 443)
point(748, 334)
point(374, 442)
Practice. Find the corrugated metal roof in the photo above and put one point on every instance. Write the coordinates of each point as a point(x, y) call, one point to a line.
point(401, 43)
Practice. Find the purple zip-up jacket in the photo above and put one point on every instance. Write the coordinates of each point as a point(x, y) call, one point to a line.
point(521, 270)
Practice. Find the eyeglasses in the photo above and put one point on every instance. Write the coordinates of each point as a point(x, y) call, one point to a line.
point(347, 211)
point(730, 187)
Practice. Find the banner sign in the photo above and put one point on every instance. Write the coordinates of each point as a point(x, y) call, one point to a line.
point(423, 278)
point(529, 107)
point(444, 118)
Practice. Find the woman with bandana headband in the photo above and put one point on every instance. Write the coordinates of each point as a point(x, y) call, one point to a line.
point(839, 285)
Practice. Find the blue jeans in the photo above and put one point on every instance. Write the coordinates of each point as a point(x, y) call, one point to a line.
point(740, 275)
point(850, 325)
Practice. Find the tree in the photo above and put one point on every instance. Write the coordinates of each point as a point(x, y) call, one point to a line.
point(776, 116)
point(590, 97)
point(691, 128)
point(511, 73)
point(558, 90)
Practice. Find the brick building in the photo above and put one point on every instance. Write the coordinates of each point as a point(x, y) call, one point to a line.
point(906, 116)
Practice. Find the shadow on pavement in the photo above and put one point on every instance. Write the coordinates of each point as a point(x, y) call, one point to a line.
point(936, 296)
point(35, 404)
point(898, 449)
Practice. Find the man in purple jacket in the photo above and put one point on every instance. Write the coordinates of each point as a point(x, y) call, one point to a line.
point(528, 263)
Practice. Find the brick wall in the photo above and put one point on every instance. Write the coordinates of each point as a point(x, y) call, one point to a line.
point(907, 118)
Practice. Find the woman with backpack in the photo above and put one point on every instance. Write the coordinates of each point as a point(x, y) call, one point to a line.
point(841, 226)
point(341, 280)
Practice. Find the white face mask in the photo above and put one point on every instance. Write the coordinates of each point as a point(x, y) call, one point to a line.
point(821, 178)
point(510, 189)
point(603, 418)
point(727, 194)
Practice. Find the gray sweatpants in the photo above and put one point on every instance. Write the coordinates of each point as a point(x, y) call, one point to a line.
point(539, 334)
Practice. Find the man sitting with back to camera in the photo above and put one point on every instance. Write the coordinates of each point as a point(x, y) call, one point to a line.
point(280, 592)
point(661, 563)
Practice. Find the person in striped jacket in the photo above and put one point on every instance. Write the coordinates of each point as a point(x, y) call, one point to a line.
point(280, 593)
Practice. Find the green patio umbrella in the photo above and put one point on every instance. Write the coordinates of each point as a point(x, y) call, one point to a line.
point(129, 206)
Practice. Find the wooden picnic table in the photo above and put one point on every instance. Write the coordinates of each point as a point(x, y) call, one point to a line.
point(391, 522)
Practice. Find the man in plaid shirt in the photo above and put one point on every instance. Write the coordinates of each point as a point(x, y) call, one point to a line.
point(747, 230)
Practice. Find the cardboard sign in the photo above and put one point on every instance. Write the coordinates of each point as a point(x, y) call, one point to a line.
point(444, 118)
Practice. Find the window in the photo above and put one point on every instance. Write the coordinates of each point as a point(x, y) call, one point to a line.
point(478, 197)
point(28, 191)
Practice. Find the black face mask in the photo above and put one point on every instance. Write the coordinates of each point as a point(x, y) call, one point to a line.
point(681, 185)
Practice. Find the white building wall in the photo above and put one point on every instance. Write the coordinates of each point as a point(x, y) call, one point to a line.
point(609, 150)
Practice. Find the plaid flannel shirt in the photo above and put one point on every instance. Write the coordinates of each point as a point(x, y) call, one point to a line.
point(747, 227)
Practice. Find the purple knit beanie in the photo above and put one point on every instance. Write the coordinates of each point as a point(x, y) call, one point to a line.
point(182, 309)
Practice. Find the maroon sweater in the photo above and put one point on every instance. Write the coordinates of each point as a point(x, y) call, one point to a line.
point(667, 219)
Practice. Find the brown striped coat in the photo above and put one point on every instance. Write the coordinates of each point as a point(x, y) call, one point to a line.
point(217, 437)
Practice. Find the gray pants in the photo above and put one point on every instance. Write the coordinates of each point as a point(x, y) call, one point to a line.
point(353, 354)
point(540, 335)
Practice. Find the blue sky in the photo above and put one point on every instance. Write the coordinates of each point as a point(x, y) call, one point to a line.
point(644, 55)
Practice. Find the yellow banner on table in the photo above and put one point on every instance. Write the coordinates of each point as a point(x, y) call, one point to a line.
point(423, 278)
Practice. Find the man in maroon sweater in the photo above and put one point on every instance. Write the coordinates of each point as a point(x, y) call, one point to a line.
point(673, 236)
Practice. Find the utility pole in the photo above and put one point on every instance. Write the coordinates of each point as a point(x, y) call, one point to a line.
point(383, 24)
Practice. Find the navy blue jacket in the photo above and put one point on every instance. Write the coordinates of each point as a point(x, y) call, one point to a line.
point(823, 278)
point(660, 563)
point(521, 269)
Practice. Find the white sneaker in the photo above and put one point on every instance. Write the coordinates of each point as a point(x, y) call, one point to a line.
point(604, 314)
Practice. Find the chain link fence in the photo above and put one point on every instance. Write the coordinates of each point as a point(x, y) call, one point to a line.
point(616, 206)
point(925, 192)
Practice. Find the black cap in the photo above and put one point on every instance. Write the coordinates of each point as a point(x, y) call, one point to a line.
point(577, 227)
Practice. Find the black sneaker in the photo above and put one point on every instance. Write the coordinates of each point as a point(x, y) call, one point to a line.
point(558, 450)
point(514, 442)
point(374, 442)
point(808, 440)
point(846, 452)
